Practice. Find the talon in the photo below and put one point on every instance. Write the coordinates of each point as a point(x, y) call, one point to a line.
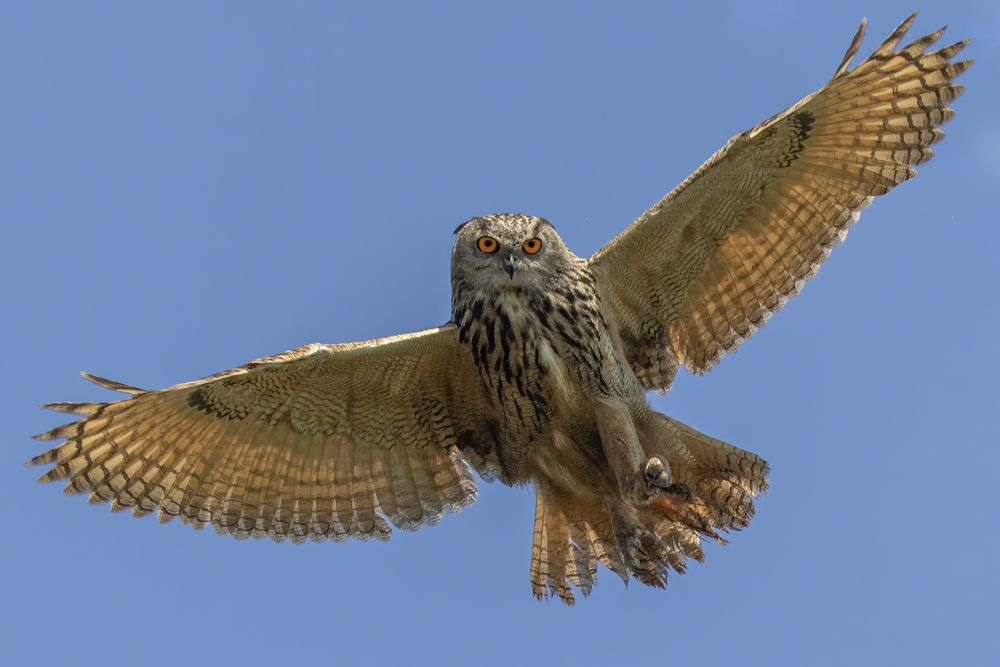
point(681, 490)
point(632, 544)
point(628, 536)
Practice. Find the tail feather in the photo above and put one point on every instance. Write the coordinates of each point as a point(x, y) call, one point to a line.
point(554, 557)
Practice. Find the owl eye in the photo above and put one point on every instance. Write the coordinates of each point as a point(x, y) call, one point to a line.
point(531, 246)
point(487, 244)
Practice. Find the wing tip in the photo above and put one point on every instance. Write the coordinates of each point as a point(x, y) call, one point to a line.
point(852, 50)
point(71, 407)
point(112, 384)
point(888, 45)
point(897, 35)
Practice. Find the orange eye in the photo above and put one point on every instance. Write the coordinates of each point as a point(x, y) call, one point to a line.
point(531, 246)
point(487, 244)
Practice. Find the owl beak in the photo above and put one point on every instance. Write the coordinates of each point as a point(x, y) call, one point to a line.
point(508, 266)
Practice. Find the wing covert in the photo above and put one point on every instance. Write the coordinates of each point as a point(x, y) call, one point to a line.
point(706, 266)
point(323, 441)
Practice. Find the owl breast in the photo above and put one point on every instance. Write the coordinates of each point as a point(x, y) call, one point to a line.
point(542, 358)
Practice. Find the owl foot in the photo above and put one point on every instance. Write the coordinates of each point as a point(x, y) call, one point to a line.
point(653, 479)
point(657, 474)
point(646, 483)
point(628, 536)
point(640, 549)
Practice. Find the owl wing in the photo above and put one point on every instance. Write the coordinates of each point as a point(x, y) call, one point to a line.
point(706, 266)
point(323, 441)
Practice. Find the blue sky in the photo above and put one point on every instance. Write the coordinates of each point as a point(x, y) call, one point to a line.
point(185, 187)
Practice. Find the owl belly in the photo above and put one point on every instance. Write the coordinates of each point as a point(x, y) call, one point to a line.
point(543, 368)
point(572, 456)
point(584, 386)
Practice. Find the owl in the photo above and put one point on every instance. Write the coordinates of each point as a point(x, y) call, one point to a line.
point(540, 377)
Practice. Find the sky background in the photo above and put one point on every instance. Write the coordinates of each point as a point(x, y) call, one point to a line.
point(186, 186)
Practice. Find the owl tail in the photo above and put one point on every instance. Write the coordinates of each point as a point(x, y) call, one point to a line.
point(714, 486)
point(565, 551)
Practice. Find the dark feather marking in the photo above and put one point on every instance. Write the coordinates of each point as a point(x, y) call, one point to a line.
point(802, 122)
point(491, 337)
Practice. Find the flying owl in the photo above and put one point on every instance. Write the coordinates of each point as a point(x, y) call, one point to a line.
point(540, 377)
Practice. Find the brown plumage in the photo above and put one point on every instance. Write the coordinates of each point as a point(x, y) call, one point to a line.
point(541, 375)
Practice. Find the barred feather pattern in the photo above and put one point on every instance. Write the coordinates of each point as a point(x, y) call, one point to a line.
point(275, 449)
point(707, 266)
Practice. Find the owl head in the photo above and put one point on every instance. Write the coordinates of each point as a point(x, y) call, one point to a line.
point(507, 251)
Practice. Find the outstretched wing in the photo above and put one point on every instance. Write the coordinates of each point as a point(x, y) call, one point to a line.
point(323, 441)
point(706, 266)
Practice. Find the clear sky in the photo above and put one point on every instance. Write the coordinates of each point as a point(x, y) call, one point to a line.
point(184, 187)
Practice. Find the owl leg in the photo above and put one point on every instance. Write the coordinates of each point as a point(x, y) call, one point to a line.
point(640, 478)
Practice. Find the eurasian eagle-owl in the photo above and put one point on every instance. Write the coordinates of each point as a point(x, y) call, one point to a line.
point(540, 376)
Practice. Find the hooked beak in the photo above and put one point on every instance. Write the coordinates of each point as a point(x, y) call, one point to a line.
point(508, 266)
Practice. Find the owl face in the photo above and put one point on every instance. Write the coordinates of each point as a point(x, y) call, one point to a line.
point(506, 251)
